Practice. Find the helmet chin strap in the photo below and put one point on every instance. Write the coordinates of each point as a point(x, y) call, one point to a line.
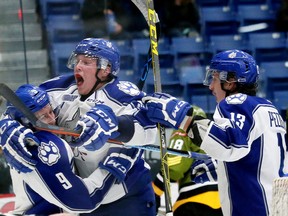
point(98, 81)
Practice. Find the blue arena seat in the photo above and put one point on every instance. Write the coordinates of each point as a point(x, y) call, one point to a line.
point(190, 77)
point(55, 7)
point(220, 43)
point(188, 47)
point(128, 75)
point(250, 14)
point(218, 20)
point(206, 101)
point(67, 32)
point(170, 82)
point(239, 2)
point(140, 49)
point(268, 46)
point(204, 3)
point(274, 77)
point(280, 100)
point(59, 54)
point(126, 53)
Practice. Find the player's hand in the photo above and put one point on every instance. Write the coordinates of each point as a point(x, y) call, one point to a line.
point(204, 170)
point(97, 126)
point(198, 128)
point(119, 160)
point(167, 110)
point(14, 138)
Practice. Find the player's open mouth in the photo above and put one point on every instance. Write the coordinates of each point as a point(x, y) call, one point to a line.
point(79, 79)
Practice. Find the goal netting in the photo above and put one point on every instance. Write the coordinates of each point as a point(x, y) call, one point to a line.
point(280, 197)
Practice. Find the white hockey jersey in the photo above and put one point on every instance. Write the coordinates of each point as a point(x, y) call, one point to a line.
point(248, 140)
point(125, 99)
point(53, 186)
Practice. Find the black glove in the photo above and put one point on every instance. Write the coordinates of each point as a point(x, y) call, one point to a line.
point(197, 129)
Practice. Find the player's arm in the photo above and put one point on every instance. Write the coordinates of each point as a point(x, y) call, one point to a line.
point(221, 140)
point(55, 181)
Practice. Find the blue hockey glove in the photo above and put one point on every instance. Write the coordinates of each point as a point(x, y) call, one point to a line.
point(14, 138)
point(204, 170)
point(119, 160)
point(97, 127)
point(167, 110)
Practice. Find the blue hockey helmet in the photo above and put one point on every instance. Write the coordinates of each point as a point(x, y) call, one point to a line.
point(233, 61)
point(32, 96)
point(101, 49)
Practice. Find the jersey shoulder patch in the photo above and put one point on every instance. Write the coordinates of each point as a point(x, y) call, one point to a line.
point(48, 153)
point(236, 99)
point(128, 88)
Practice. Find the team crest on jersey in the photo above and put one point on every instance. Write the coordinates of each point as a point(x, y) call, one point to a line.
point(236, 99)
point(48, 153)
point(128, 88)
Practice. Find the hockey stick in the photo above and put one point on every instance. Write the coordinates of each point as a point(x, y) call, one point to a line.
point(10, 96)
point(152, 18)
point(171, 151)
point(142, 6)
point(181, 153)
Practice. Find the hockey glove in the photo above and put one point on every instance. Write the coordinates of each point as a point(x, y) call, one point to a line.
point(167, 110)
point(14, 138)
point(204, 170)
point(197, 129)
point(119, 161)
point(97, 126)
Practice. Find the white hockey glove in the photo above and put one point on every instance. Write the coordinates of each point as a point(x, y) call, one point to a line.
point(167, 110)
point(204, 170)
point(97, 126)
point(119, 161)
point(197, 129)
point(14, 138)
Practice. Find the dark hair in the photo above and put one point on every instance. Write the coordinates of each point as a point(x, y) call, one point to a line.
point(245, 88)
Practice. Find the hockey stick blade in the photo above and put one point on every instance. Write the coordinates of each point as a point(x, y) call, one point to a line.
point(10, 96)
point(142, 6)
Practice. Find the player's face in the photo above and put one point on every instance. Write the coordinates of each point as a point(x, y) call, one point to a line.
point(215, 87)
point(46, 115)
point(85, 74)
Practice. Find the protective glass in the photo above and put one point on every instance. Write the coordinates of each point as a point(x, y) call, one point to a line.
point(90, 61)
point(223, 76)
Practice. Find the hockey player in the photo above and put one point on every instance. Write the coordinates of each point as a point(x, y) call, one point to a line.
point(96, 63)
point(247, 136)
point(197, 180)
point(52, 187)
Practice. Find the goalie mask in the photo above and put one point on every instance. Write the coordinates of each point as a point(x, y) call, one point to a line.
point(33, 97)
point(240, 64)
point(102, 50)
